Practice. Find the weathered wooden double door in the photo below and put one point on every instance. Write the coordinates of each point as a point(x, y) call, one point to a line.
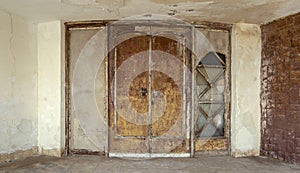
point(147, 92)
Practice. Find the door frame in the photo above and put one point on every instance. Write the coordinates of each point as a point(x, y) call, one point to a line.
point(71, 26)
point(185, 115)
point(223, 149)
point(81, 25)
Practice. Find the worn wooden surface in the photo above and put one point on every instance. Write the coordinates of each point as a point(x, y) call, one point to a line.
point(165, 121)
point(141, 104)
point(120, 128)
point(211, 144)
point(220, 40)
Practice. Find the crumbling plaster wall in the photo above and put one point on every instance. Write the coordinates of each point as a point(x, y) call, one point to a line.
point(18, 85)
point(47, 103)
point(31, 105)
point(245, 89)
point(50, 89)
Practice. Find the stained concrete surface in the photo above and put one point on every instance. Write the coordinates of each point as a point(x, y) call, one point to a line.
point(229, 11)
point(203, 164)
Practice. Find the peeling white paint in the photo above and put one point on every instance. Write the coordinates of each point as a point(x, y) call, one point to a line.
point(88, 129)
point(18, 104)
point(245, 103)
point(31, 106)
point(229, 11)
point(49, 86)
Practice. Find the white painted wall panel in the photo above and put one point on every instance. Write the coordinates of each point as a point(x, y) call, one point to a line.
point(245, 105)
point(50, 110)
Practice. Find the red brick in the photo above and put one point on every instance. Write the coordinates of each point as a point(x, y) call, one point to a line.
point(280, 96)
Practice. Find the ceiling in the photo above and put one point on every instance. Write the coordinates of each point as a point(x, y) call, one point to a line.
point(227, 11)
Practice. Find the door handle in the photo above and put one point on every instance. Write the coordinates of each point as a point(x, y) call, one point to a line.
point(144, 91)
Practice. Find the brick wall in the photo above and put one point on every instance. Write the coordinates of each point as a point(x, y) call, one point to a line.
point(280, 73)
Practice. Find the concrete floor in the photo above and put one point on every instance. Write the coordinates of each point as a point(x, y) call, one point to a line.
point(203, 164)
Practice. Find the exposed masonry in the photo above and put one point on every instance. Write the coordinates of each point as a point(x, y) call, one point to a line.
point(280, 94)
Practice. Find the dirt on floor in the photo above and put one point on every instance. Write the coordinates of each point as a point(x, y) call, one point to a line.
point(203, 164)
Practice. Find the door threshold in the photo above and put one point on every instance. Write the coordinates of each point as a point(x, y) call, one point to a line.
point(148, 155)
